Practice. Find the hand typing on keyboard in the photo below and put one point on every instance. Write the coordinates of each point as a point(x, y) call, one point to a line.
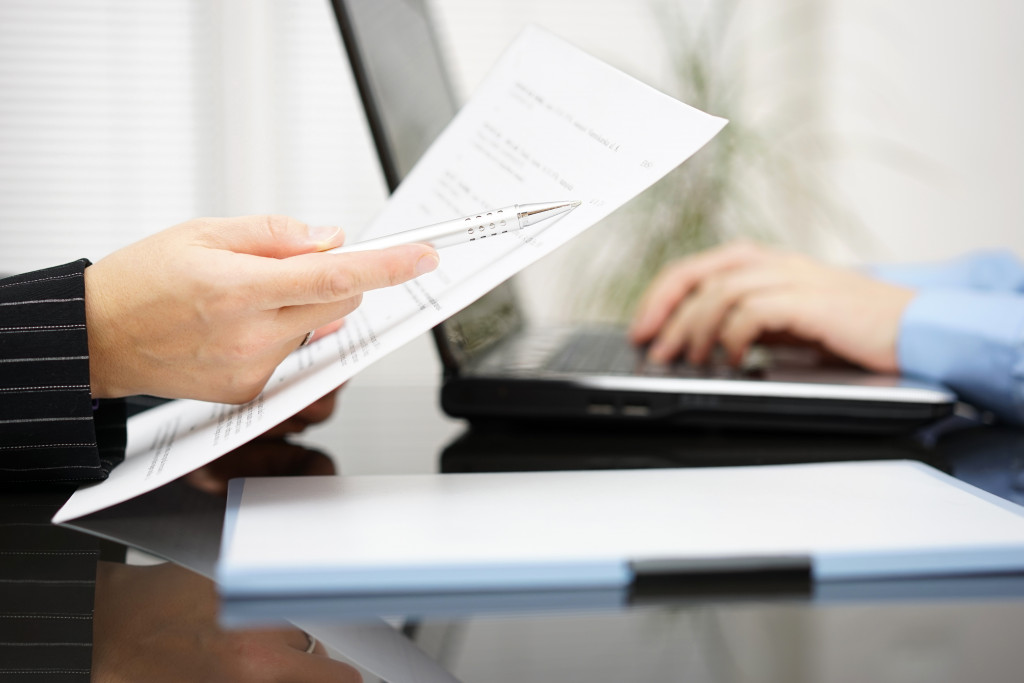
point(739, 293)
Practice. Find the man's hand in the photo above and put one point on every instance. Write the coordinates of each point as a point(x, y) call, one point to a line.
point(159, 623)
point(262, 457)
point(737, 293)
point(209, 308)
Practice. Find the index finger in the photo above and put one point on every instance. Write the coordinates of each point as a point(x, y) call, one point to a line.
point(326, 278)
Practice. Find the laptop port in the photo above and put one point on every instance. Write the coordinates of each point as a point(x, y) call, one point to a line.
point(600, 409)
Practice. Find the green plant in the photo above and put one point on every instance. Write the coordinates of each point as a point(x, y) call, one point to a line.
point(757, 179)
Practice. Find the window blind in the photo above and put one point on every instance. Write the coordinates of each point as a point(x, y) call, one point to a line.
point(105, 124)
point(120, 118)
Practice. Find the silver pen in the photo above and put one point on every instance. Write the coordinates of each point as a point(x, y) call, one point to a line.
point(467, 229)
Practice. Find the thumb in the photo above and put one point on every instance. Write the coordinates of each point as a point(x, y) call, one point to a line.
point(272, 236)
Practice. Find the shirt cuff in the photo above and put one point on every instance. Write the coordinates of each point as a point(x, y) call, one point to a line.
point(971, 341)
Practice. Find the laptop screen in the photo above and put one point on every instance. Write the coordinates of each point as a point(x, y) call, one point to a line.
point(408, 100)
point(401, 78)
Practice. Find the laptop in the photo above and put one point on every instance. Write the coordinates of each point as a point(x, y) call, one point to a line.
point(498, 366)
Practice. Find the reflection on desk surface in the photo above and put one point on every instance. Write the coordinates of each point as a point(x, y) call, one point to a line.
point(943, 630)
point(990, 457)
point(517, 447)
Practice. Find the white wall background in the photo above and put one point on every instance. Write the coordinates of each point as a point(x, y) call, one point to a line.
point(928, 99)
point(118, 118)
point(108, 124)
point(921, 102)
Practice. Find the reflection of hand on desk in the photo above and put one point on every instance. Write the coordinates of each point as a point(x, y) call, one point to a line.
point(159, 623)
point(270, 455)
point(966, 635)
point(259, 458)
point(315, 413)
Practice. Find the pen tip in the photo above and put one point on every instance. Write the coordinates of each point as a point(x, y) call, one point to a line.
point(575, 204)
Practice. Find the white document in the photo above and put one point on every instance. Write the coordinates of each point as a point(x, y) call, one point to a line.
point(531, 531)
point(549, 123)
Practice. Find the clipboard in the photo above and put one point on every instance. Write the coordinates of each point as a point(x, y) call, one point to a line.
point(641, 530)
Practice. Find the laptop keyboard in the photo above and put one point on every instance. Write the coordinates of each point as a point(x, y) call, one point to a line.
point(602, 352)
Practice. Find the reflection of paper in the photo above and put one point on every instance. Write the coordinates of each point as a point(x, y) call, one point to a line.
point(549, 124)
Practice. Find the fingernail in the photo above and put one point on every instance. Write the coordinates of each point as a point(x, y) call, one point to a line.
point(323, 234)
point(426, 264)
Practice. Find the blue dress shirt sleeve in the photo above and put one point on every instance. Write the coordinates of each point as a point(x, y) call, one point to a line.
point(971, 341)
point(996, 270)
point(965, 328)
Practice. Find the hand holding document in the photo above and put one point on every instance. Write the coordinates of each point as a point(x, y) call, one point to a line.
point(548, 122)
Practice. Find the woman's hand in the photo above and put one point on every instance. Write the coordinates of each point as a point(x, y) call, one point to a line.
point(159, 623)
point(208, 309)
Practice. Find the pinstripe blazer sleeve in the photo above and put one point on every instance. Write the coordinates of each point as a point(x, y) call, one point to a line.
point(50, 430)
point(47, 589)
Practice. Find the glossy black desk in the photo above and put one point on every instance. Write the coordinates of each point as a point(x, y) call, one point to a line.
point(965, 631)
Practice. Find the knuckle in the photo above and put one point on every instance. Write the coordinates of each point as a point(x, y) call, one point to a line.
point(335, 284)
point(277, 226)
point(396, 272)
point(345, 283)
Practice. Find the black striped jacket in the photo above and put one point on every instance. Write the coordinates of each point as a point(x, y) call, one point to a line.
point(51, 435)
point(50, 429)
point(47, 589)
